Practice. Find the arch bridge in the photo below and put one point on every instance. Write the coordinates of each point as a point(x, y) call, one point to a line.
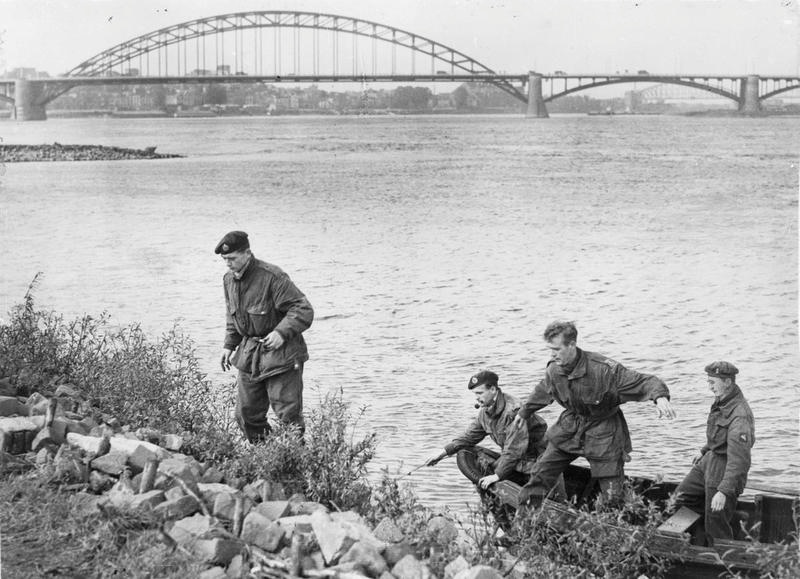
point(748, 92)
point(266, 46)
point(289, 46)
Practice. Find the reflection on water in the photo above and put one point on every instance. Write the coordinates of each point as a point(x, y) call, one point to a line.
point(431, 247)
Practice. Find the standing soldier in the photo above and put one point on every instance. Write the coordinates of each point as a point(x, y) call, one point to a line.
point(720, 470)
point(265, 318)
point(519, 446)
point(591, 389)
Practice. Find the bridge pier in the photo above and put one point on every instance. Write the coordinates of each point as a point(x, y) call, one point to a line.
point(27, 101)
point(749, 103)
point(536, 106)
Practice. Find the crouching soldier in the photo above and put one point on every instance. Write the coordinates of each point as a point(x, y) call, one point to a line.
point(520, 445)
point(720, 470)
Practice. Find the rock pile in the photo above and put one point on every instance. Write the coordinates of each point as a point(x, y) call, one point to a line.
point(238, 528)
point(59, 152)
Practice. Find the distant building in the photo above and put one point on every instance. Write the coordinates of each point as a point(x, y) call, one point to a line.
point(25, 73)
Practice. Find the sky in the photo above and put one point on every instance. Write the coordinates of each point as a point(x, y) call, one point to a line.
point(513, 36)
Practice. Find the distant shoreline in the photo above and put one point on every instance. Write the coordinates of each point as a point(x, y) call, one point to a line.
point(59, 152)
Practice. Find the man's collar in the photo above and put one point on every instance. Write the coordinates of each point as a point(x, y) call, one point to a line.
point(577, 368)
point(728, 397)
point(237, 275)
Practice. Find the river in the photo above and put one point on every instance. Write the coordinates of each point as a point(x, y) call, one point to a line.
point(433, 246)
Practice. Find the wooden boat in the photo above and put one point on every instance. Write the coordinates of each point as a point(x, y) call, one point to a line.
point(769, 514)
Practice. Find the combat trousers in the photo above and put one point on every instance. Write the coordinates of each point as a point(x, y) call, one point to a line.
point(553, 462)
point(697, 490)
point(283, 392)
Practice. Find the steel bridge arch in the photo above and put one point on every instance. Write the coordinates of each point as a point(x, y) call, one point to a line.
point(105, 61)
point(662, 80)
point(778, 91)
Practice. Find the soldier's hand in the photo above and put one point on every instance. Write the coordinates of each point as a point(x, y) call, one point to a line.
point(718, 502)
point(225, 360)
point(433, 460)
point(273, 341)
point(697, 458)
point(664, 408)
point(518, 420)
point(487, 481)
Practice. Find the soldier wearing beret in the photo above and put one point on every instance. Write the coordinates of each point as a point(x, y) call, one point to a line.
point(720, 470)
point(266, 316)
point(520, 446)
point(591, 388)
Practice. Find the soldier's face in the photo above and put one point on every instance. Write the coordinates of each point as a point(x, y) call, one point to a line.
point(236, 260)
point(484, 395)
point(719, 386)
point(561, 353)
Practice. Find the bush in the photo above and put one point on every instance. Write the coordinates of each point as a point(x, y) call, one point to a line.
point(328, 464)
point(120, 371)
point(608, 542)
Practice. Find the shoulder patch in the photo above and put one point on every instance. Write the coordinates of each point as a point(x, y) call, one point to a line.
point(611, 363)
point(743, 437)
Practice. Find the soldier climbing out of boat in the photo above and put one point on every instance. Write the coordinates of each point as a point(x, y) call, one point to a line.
point(591, 388)
point(519, 445)
point(719, 474)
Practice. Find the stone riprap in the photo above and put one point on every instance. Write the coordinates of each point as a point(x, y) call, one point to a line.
point(237, 528)
point(59, 152)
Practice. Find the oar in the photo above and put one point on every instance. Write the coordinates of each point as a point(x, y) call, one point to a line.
point(413, 470)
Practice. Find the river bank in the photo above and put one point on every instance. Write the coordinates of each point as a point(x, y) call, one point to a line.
point(59, 152)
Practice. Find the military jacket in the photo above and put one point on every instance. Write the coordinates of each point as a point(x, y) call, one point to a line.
point(592, 424)
point(261, 300)
point(730, 432)
point(519, 445)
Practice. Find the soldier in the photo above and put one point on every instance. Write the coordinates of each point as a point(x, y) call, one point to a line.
point(265, 318)
point(591, 389)
point(520, 446)
point(720, 470)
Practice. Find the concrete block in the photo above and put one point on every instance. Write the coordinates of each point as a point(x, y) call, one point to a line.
point(388, 532)
point(395, 552)
point(178, 508)
point(10, 406)
point(150, 499)
point(224, 506)
point(209, 491)
point(140, 456)
point(455, 567)
point(172, 442)
point(333, 538)
point(366, 558)
point(296, 524)
point(212, 475)
point(410, 568)
point(112, 463)
point(217, 550)
point(174, 493)
point(273, 510)
point(261, 532)
point(214, 572)
point(236, 568)
point(68, 391)
point(186, 530)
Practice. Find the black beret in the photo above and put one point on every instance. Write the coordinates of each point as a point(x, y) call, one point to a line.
point(233, 241)
point(722, 370)
point(483, 377)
